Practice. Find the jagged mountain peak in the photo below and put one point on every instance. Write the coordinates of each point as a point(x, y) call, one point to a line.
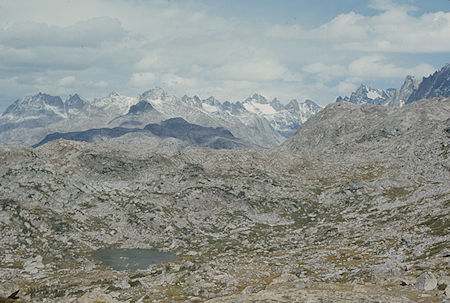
point(113, 94)
point(310, 102)
point(35, 105)
point(47, 98)
point(413, 89)
point(276, 104)
point(293, 105)
point(371, 93)
point(435, 85)
point(75, 99)
point(401, 95)
point(139, 108)
point(310, 105)
point(154, 93)
point(366, 94)
point(74, 96)
point(256, 98)
point(112, 106)
point(191, 100)
point(212, 101)
point(74, 104)
point(410, 78)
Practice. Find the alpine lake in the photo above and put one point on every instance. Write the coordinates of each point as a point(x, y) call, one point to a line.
point(131, 258)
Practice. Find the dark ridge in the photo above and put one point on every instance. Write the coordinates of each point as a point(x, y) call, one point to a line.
point(183, 130)
point(89, 135)
point(140, 107)
point(197, 135)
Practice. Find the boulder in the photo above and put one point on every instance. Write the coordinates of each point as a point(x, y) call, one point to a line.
point(34, 265)
point(426, 281)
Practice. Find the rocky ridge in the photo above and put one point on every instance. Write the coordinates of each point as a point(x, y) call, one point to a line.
point(413, 89)
point(354, 207)
point(436, 85)
point(369, 95)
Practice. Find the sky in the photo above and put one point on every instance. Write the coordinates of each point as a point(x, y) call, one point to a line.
point(289, 49)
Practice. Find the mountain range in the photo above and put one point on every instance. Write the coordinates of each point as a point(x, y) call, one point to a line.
point(413, 89)
point(256, 121)
point(252, 122)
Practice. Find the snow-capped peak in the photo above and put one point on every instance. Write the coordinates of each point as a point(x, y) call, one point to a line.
point(293, 106)
point(114, 104)
point(35, 106)
point(256, 98)
point(153, 94)
point(366, 94)
point(113, 94)
point(212, 101)
point(74, 104)
point(276, 104)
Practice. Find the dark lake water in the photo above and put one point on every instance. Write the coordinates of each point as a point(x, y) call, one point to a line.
point(131, 258)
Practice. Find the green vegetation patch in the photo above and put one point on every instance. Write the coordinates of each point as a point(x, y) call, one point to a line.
point(439, 225)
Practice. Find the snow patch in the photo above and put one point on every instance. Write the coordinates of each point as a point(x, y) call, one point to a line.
point(258, 108)
point(373, 95)
point(209, 108)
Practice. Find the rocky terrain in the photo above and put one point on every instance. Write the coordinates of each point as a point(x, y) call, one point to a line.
point(354, 207)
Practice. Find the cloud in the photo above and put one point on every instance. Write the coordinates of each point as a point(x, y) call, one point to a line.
point(326, 72)
point(252, 70)
point(67, 81)
point(344, 27)
point(143, 80)
point(284, 32)
point(99, 84)
point(86, 33)
point(347, 86)
point(175, 81)
point(394, 30)
point(376, 66)
point(385, 5)
point(47, 58)
point(369, 67)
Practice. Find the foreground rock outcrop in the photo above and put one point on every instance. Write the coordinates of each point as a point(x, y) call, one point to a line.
point(354, 207)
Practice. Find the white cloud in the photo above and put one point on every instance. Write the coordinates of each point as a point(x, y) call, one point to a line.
point(143, 80)
point(344, 27)
point(326, 72)
point(385, 5)
point(85, 33)
point(67, 81)
point(344, 88)
point(99, 84)
point(371, 67)
point(149, 61)
point(176, 81)
point(376, 66)
point(393, 30)
point(284, 32)
point(252, 70)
